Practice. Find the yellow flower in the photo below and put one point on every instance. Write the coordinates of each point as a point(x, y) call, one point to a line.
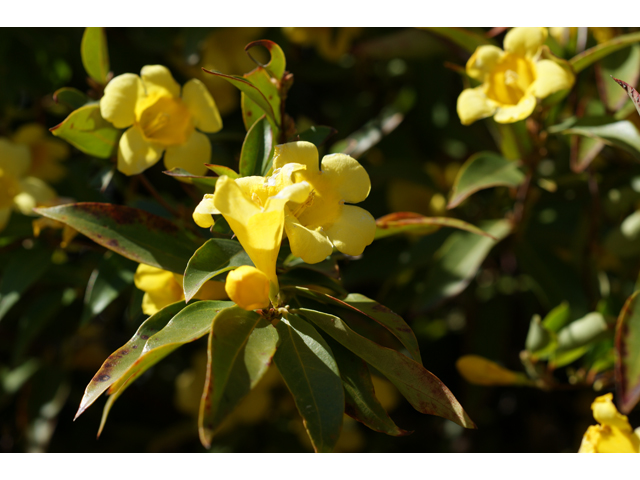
point(330, 42)
point(512, 79)
point(17, 190)
point(163, 288)
point(481, 371)
point(46, 152)
point(614, 434)
point(160, 120)
point(248, 287)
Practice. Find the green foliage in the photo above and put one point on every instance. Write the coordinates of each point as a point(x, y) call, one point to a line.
point(95, 56)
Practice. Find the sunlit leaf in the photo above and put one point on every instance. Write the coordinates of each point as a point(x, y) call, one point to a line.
point(308, 367)
point(257, 149)
point(408, 222)
point(95, 56)
point(252, 111)
point(593, 54)
point(222, 170)
point(277, 63)
point(627, 345)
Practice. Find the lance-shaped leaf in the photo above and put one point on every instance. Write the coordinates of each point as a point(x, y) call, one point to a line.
point(424, 391)
point(593, 54)
point(252, 111)
point(222, 170)
point(95, 56)
point(257, 149)
point(371, 309)
point(86, 130)
point(408, 222)
point(461, 37)
point(216, 256)
point(627, 345)
point(241, 346)
point(189, 324)
point(632, 92)
point(71, 97)
point(484, 170)
point(311, 279)
point(138, 235)
point(623, 64)
point(204, 183)
point(118, 363)
point(277, 63)
point(360, 398)
point(309, 369)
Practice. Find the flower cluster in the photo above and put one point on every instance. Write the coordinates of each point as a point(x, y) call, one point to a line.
point(613, 434)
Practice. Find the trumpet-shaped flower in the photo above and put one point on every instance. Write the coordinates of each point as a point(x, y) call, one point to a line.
point(160, 119)
point(17, 190)
point(248, 287)
point(613, 434)
point(513, 78)
point(163, 288)
point(46, 152)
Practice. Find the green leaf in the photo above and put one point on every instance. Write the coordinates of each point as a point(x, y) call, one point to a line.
point(461, 37)
point(253, 110)
point(257, 149)
point(592, 55)
point(317, 135)
point(119, 362)
point(361, 402)
point(622, 64)
point(277, 63)
point(135, 234)
point(22, 270)
point(622, 133)
point(202, 181)
point(107, 282)
point(582, 332)
point(458, 260)
point(241, 345)
point(311, 279)
point(424, 391)
point(71, 97)
point(222, 170)
point(538, 337)
point(309, 369)
point(95, 56)
point(557, 318)
point(216, 256)
point(627, 345)
point(583, 151)
point(408, 222)
point(188, 325)
point(484, 170)
point(86, 130)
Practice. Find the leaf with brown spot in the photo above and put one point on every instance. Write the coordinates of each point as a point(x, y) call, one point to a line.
point(627, 345)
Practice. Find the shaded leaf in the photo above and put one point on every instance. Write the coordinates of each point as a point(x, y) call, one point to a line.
point(622, 64)
point(86, 130)
point(241, 346)
point(257, 149)
point(482, 371)
point(484, 170)
point(424, 391)
point(216, 256)
point(581, 332)
point(311, 279)
point(133, 233)
point(403, 222)
point(308, 367)
point(71, 97)
point(202, 181)
point(583, 151)
point(95, 56)
point(593, 54)
point(317, 135)
point(538, 337)
point(627, 346)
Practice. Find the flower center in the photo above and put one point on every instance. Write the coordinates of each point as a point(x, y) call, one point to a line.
point(510, 79)
point(9, 188)
point(164, 120)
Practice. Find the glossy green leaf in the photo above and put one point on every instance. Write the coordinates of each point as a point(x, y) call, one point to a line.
point(241, 346)
point(484, 170)
point(257, 149)
point(424, 391)
point(309, 369)
point(360, 398)
point(71, 97)
point(317, 135)
point(95, 56)
point(86, 130)
point(277, 63)
point(133, 233)
point(461, 37)
point(627, 345)
point(202, 181)
point(118, 363)
point(252, 110)
point(458, 260)
point(408, 222)
point(625, 64)
point(22, 270)
point(107, 282)
point(581, 332)
point(311, 279)
point(189, 324)
point(593, 54)
point(216, 256)
point(222, 170)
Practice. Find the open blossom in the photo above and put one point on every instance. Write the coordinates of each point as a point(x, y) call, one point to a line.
point(613, 434)
point(159, 119)
point(513, 78)
point(17, 190)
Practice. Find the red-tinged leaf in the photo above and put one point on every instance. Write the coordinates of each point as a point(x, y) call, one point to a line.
point(627, 345)
point(133, 233)
point(632, 92)
point(409, 222)
point(222, 170)
point(252, 110)
point(424, 391)
point(277, 62)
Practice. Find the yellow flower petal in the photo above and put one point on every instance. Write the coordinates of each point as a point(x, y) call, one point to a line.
point(157, 80)
point(34, 192)
point(119, 101)
point(347, 176)
point(190, 156)
point(248, 287)
point(613, 435)
point(483, 61)
point(354, 230)
point(14, 159)
point(482, 371)
point(514, 113)
point(204, 210)
point(312, 246)
point(212, 291)
point(135, 154)
point(5, 214)
point(525, 41)
point(160, 287)
point(605, 413)
point(552, 78)
point(304, 153)
point(200, 103)
point(473, 105)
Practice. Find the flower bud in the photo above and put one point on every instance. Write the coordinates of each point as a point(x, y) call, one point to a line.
point(248, 287)
point(481, 371)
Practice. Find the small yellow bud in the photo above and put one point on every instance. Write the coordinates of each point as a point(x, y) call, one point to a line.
point(248, 287)
point(481, 371)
